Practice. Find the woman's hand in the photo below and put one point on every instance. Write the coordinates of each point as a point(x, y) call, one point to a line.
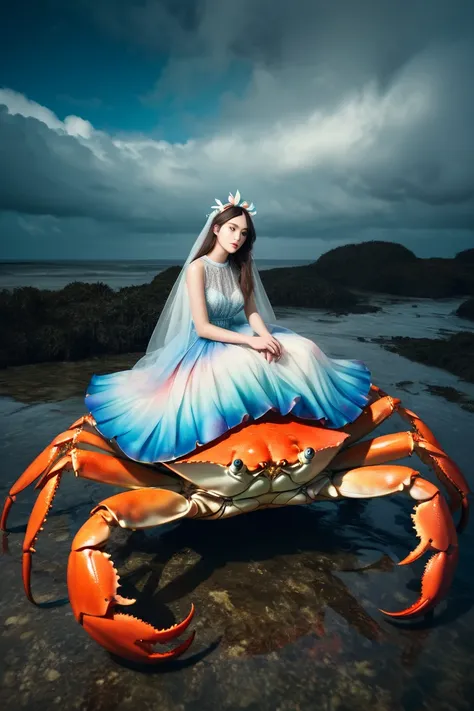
point(266, 343)
point(269, 357)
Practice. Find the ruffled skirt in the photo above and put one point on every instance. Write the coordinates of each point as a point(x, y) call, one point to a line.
point(195, 393)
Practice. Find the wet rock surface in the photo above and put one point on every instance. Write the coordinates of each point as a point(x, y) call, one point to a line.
point(466, 309)
point(454, 353)
point(287, 600)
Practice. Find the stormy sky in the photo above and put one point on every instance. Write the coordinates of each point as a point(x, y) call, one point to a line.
point(122, 120)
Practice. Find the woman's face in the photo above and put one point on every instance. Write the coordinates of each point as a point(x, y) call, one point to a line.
point(232, 234)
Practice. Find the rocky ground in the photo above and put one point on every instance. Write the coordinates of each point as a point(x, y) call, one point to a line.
point(287, 604)
point(287, 601)
point(454, 353)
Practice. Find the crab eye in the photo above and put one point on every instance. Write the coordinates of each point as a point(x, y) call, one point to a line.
point(306, 456)
point(236, 466)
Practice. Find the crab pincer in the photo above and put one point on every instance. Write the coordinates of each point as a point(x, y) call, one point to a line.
point(435, 527)
point(93, 581)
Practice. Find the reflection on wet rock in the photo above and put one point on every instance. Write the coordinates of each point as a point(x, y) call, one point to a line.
point(287, 600)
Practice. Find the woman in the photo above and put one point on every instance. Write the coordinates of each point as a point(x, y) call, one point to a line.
point(205, 371)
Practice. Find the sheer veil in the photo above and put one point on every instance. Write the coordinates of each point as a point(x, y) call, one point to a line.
point(175, 321)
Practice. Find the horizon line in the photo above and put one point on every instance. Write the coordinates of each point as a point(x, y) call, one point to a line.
point(131, 259)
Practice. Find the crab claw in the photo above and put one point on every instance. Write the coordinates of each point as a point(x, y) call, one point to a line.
point(435, 583)
point(133, 639)
point(435, 526)
point(93, 581)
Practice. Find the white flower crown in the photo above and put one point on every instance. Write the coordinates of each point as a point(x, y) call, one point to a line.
point(234, 200)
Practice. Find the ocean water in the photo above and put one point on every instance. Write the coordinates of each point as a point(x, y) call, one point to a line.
point(287, 600)
point(56, 275)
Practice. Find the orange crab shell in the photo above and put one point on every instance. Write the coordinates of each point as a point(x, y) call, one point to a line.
point(269, 442)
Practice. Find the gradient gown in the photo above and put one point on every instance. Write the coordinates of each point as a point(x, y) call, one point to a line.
point(198, 390)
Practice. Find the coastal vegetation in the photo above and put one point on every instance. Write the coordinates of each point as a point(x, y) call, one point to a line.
point(86, 320)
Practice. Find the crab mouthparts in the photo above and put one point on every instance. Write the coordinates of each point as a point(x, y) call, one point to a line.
point(271, 470)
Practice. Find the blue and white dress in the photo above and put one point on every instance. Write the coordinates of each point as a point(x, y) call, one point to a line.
point(200, 389)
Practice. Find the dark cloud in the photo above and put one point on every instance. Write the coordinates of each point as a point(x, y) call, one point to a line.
point(53, 173)
point(356, 116)
point(47, 173)
point(372, 37)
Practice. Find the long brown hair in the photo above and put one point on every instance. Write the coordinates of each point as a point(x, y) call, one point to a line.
point(241, 258)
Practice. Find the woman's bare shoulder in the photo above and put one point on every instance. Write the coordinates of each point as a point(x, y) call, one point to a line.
point(196, 266)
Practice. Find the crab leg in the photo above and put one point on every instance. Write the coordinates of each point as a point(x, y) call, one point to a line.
point(63, 452)
point(446, 469)
point(35, 524)
point(40, 465)
point(416, 423)
point(88, 465)
point(93, 580)
point(432, 519)
point(403, 444)
point(372, 416)
point(383, 406)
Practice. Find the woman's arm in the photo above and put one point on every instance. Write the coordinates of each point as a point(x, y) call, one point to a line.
point(195, 283)
point(259, 326)
point(254, 318)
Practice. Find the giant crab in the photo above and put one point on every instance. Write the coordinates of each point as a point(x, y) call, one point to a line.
point(274, 461)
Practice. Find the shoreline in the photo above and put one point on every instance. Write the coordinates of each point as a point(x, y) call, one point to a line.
point(453, 353)
point(450, 350)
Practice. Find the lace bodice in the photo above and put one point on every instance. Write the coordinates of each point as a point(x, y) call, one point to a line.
point(224, 298)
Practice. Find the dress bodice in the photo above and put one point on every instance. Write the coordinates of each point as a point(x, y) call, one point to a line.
point(224, 298)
